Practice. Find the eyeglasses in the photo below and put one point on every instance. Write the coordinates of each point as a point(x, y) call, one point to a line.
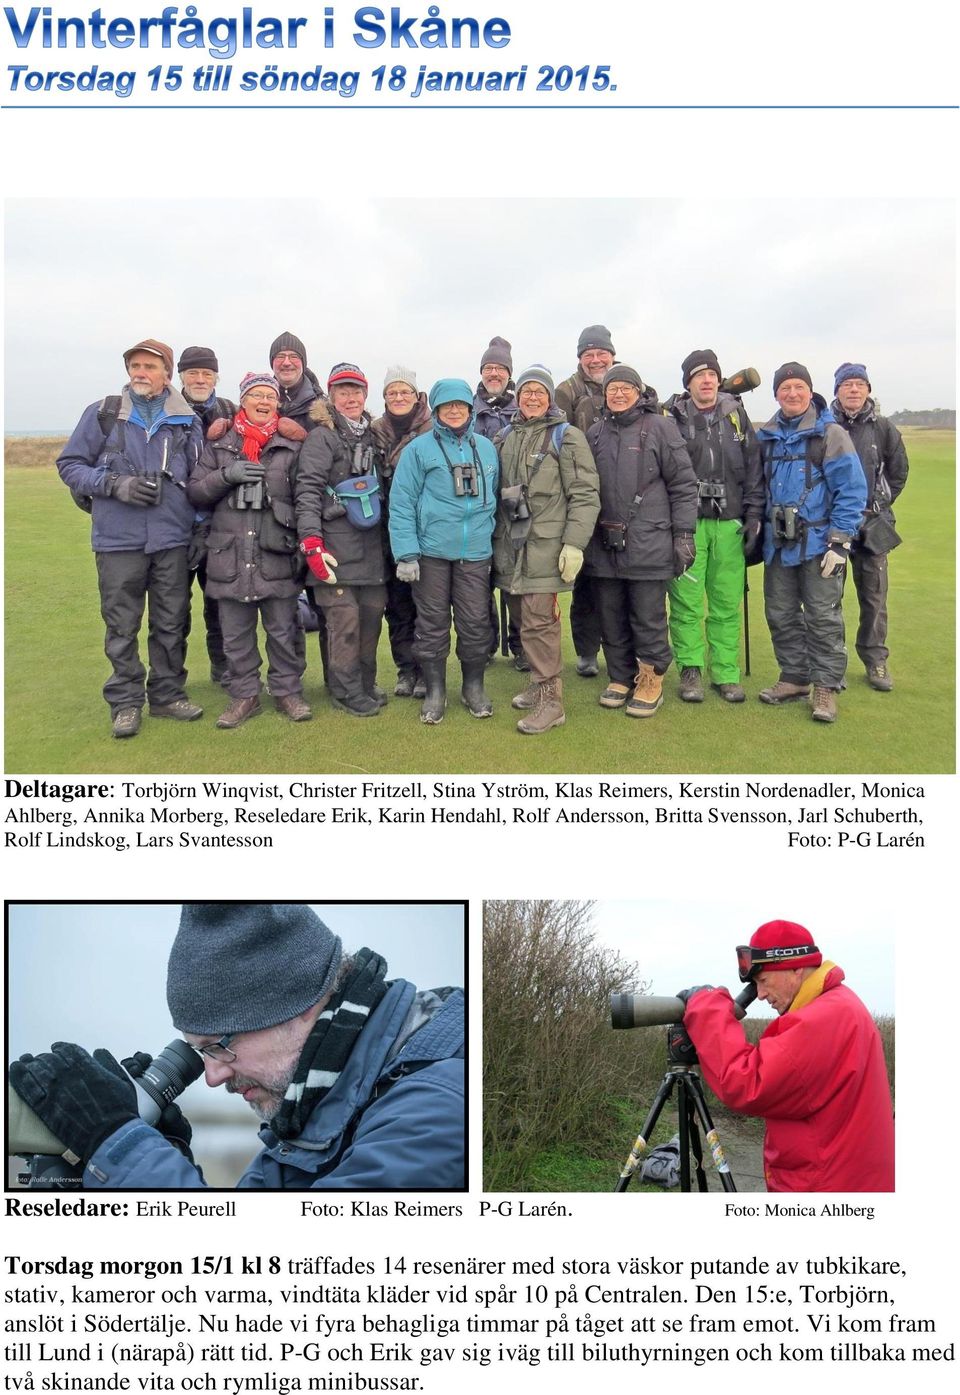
point(623, 390)
point(262, 396)
point(401, 395)
point(220, 1050)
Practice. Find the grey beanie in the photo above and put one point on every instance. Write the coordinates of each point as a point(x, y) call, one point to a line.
point(498, 351)
point(399, 374)
point(595, 337)
point(238, 966)
point(620, 373)
point(289, 344)
point(536, 373)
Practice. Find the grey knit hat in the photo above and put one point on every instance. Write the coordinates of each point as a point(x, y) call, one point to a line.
point(536, 373)
point(498, 351)
point(620, 373)
point(398, 374)
point(595, 337)
point(238, 966)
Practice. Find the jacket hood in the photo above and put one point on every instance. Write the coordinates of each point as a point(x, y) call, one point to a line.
point(321, 415)
point(551, 416)
point(447, 390)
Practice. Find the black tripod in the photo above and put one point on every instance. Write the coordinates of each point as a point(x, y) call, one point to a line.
point(691, 1107)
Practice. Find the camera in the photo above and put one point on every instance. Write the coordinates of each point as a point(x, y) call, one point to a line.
point(166, 1077)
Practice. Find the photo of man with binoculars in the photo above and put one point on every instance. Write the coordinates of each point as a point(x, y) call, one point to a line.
point(358, 1080)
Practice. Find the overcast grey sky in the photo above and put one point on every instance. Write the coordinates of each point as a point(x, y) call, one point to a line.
point(427, 282)
point(678, 944)
point(96, 974)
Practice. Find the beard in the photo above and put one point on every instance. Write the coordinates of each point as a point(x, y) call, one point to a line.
point(275, 1087)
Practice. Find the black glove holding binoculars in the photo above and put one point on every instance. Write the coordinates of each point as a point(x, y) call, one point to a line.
point(82, 1099)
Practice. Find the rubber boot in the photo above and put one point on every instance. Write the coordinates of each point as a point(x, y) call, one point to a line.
point(435, 702)
point(548, 711)
point(472, 694)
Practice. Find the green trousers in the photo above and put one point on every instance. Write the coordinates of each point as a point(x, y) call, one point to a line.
point(716, 578)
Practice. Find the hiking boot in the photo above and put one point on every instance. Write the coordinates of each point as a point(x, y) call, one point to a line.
point(472, 693)
point(547, 711)
point(823, 705)
point(378, 695)
point(406, 682)
point(691, 685)
point(587, 665)
point(126, 722)
point(880, 678)
point(435, 695)
point(183, 710)
point(357, 704)
point(521, 663)
point(614, 695)
point(239, 711)
point(528, 698)
point(782, 691)
point(648, 693)
point(730, 692)
point(294, 706)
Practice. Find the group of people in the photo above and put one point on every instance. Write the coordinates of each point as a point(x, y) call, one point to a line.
point(297, 509)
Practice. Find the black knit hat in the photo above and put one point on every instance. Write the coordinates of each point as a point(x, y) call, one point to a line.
point(595, 337)
point(497, 351)
point(238, 966)
point(620, 373)
point(791, 370)
point(289, 343)
point(197, 357)
point(696, 362)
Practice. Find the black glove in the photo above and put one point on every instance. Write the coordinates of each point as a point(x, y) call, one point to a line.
point(134, 489)
point(197, 546)
point(684, 552)
point(82, 1101)
point(686, 994)
point(751, 531)
point(173, 1123)
point(679, 1046)
point(244, 471)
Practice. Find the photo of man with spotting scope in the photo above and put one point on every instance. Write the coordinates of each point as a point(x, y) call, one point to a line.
point(817, 1074)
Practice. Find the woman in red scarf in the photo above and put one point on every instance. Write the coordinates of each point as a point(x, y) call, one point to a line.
point(245, 476)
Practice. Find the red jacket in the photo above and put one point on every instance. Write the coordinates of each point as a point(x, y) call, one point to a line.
point(817, 1076)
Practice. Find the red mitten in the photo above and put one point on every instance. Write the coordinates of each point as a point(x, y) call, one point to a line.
point(321, 563)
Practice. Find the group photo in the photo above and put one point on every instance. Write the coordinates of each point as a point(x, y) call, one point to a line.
point(448, 491)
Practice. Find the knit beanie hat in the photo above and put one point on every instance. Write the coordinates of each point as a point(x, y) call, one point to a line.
point(851, 370)
point(252, 380)
point(346, 374)
point(620, 373)
point(595, 337)
point(780, 936)
point(198, 357)
point(536, 373)
point(399, 374)
point(287, 343)
point(152, 346)
point(791, 370)
point(497, 351)
point(239, 966)
point(696, 362)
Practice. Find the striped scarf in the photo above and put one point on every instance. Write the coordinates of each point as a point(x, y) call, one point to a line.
point(332, 1038)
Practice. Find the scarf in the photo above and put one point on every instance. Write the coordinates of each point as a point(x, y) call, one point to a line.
point(254, 437)
point(812, 987)
point(332, 1038)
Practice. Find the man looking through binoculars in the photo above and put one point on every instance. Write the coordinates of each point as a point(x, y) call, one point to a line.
point(359, 1081)
point(817, 1075)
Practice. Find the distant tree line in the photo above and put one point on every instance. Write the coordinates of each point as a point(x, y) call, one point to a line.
point(941, 418)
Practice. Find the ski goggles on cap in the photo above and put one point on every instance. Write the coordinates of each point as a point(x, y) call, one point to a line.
point(750, 960)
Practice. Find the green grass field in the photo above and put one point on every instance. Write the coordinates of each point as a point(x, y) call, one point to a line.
point(57, 722)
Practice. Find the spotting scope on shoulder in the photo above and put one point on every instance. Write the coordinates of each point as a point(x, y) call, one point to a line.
point(638, 1010)
point(743, 381)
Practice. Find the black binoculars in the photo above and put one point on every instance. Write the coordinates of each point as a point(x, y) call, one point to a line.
point(787, 523)
point(465, 481)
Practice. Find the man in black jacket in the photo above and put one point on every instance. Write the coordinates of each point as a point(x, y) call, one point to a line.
point(884, 459)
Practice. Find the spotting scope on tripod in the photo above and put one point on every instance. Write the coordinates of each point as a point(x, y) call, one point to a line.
point(635, 1010)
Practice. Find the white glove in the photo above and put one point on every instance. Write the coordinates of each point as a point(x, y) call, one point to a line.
point(570, 561)
point(833, 559)
point(409, 571)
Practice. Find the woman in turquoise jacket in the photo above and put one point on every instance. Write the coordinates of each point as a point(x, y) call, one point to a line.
point(442, 509)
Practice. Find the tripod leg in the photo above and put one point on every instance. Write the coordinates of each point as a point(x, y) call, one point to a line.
point(640, 1142)
point(695, 1144)
point(712, 1137)
point(683, 1121)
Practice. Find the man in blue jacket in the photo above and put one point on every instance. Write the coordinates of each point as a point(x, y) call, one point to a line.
point(815, 496)
point(132, 456)
point(359, 1082)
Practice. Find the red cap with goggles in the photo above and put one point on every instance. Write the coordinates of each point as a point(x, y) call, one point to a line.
point(780, 944)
